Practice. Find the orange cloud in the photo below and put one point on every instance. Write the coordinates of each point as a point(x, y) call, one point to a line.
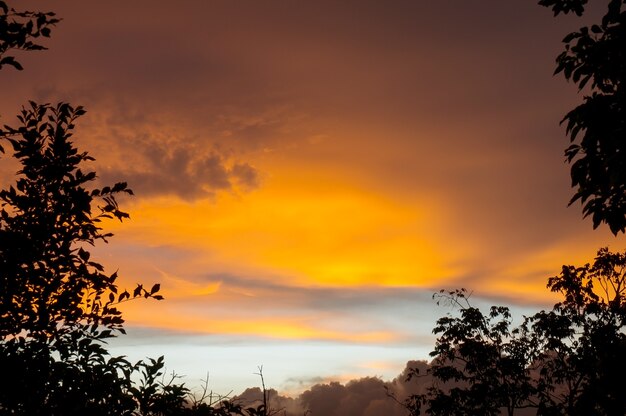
point(313, 229)
point(296, 328)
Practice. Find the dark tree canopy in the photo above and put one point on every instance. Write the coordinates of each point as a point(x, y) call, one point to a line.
point(595, 60)
point(568, 361)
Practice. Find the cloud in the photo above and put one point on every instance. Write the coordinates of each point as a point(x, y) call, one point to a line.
point(183, 172)
point(372, 315)
point(253, 397)
point(367, 396)
point(353, 398)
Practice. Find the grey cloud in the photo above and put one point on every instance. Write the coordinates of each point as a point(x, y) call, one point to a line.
point(369, 396)
point(182, 172)
point(277, 293)
point(246, 175)
point(354, 398)
point(366, 396)
point(253, 397)
point(374, 298)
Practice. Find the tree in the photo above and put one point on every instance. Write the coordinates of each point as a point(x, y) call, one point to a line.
point(595, 57)
point(583, 340)
point(566, 361)
point(481, 366)
point(58, 306)
point(570, 360)
point(19, 30)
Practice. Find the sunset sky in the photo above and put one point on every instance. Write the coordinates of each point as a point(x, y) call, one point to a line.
point(308, 173)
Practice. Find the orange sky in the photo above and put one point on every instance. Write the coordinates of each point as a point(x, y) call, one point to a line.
point(310, 172)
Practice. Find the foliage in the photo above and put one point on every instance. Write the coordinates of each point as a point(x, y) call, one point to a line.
point(569, 360)
point(565, 361)
point(595, 57)
point(19, 29)
point(476, 357)
point(49, 284)
point(58, 306)
point(583, 340)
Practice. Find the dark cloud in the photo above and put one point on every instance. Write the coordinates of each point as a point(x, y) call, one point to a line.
point(368, 396)
point(381, 307)
point(371, 396)
point(253, 397)
point(270, 74)
point(183, 172)
point(245, 175)
point(353, 398)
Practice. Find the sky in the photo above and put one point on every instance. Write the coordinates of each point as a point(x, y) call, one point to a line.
point(308, 174)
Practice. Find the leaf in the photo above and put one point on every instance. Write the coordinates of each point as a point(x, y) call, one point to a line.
point(84, 255)
point(9, 60)
point(155, 288)
point(137, 291)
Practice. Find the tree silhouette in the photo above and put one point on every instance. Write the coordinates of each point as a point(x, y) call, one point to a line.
point(481, 365)
point(485, 360)
point(595, 57)
point(570, 360)
point(58, 306)
point(19, 30)
point(566, 361)
point(583, 341)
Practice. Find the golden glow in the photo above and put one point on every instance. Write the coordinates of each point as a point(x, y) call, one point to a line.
point(314, 231)
point(304, 228)
point(178, 287)
point(282, 328)
point(311, 224)
point(525, 278)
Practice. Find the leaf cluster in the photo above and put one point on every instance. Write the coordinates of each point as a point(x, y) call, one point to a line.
point(565, 6)
point(19, 31)
point(49, 283)
point(595, 58)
